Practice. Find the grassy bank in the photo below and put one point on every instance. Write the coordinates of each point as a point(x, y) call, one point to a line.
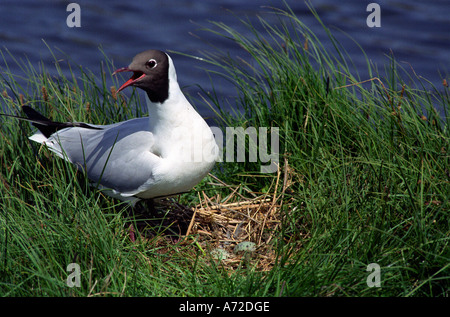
point(363, 178)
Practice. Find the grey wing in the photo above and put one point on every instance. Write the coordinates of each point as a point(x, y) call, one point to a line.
point(119, 157)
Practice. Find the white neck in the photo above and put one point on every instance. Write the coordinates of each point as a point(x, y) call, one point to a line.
point(172, 112)
point(169, 114)
point(177, 123)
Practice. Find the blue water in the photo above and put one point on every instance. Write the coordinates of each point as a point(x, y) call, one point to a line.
point(416, 31)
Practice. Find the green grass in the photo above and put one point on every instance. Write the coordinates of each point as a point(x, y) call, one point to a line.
point(369, 181)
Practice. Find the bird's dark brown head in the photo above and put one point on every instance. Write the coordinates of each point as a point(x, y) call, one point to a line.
point(150, 73)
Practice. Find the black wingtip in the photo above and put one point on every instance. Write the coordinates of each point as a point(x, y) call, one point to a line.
point(34, 115)
point(46, 127)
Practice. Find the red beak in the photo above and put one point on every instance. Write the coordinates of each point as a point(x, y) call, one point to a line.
point(136, 76)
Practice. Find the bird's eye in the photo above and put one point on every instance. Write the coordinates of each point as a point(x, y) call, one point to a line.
point(151, 63)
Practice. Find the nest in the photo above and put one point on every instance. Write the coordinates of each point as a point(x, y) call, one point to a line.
point(236, 229)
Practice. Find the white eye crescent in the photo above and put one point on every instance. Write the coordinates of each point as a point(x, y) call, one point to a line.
point(151, 63)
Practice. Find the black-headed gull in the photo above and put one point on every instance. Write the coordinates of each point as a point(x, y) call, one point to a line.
point(164, 154)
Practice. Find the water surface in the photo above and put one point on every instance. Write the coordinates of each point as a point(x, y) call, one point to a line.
point(416, 32)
